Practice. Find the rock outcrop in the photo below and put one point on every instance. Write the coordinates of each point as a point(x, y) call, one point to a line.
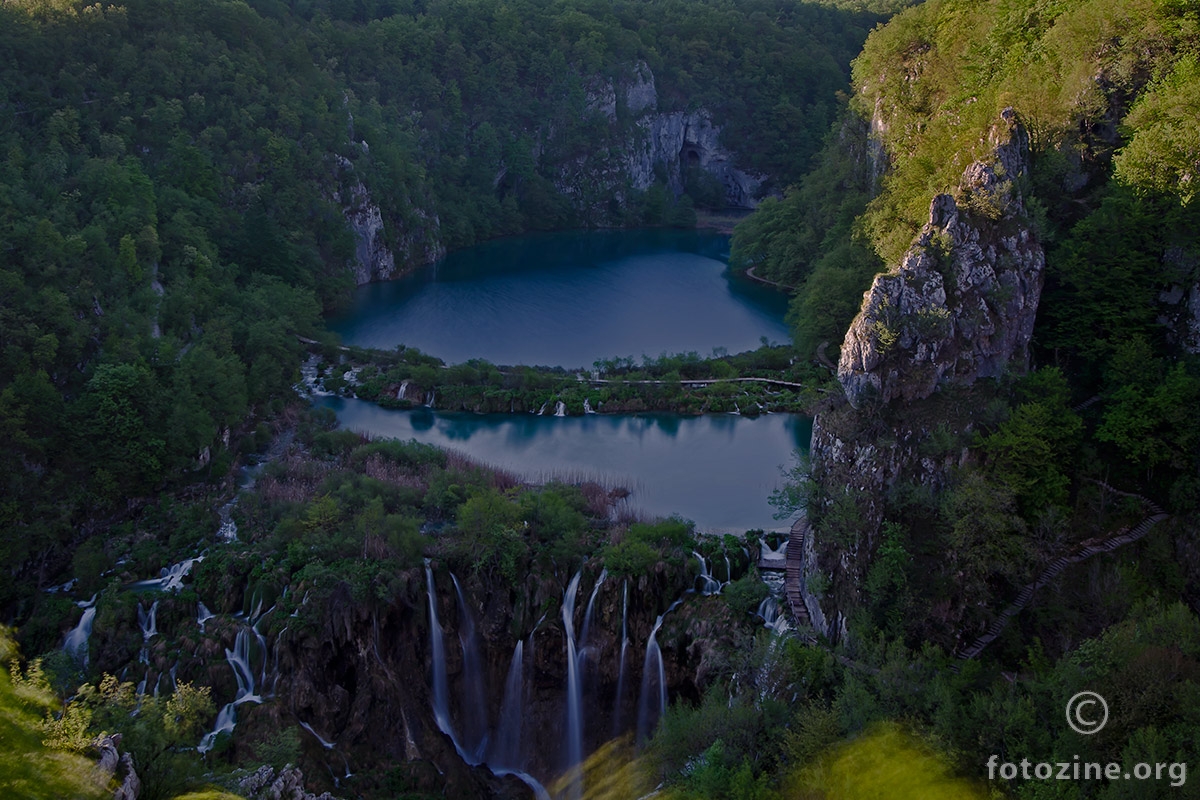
point(415, 239)
point(959, 307)
point(288, 784)
point(962, 303)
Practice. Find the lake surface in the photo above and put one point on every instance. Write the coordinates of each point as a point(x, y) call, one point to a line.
point(569, 298)
point(717, 470)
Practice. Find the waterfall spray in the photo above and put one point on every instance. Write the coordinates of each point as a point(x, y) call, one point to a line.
point(574, 700)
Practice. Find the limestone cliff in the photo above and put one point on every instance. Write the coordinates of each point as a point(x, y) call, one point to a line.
point(959, 307)
point(415, 232)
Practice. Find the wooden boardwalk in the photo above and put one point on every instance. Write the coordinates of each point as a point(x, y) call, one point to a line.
point(795, 572)
point(1079, 553)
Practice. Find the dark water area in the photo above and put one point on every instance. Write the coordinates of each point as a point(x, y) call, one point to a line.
point(570, 298)
point(717, 470)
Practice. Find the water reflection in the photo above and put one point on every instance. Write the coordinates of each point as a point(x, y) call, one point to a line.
point(716, 469)
point(570, 298)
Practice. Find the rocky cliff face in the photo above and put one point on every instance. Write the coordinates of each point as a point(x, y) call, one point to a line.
point(416, 240)
point(961, 305)
point(650, 144)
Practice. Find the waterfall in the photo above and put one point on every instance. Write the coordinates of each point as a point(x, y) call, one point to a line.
point(574, 700)
point(171, 578)
point(430, 398)
point(75, 643)
point(560, 409)
point(587, 616)
point(587, 407)
point(711, 584)
point(441, 693)
point(203, 615)
point(768, 610)
point(474, 703)
point(506, 748)
point(402, 390)
point(229, 530)
point(653, 701)
point(621, 667)
point(542, 410)
point(728, 570)
point(148, 622)
point(326, 744)
point(769, 553)
point(239, 660)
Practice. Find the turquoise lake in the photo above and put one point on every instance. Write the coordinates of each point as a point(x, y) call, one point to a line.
point(569, 298)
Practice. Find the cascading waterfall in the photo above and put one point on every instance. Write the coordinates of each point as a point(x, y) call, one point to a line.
point(621, 666)
point(542, 410)
point(474, 703)
point(239, 660)
point(148, 622)
point(171, 578)
point(587, 407)
point(710, 584)
point(653, 701)
point(506, 750)
point(203, 615)
point(574, 699)
point(560, 409)
point(768, 610)
point(728, 570)
point(75, 643)
point(402, 390)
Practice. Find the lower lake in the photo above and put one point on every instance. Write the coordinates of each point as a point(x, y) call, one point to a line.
point(717, 470)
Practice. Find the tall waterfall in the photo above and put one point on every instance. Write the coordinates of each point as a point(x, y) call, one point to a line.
point(437, 649)
point(75, 643)
point(239, 660)
point(621, 667)
point(653, 701)
point(506, 748)
point(474, 701)
point(574, 699)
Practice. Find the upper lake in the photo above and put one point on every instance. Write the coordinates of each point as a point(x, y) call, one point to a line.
point(569, 298)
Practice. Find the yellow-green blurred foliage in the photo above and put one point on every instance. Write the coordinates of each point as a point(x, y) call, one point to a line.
point(884, 763)
point(28, 767)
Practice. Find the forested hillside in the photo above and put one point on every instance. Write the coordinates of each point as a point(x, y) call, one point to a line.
point(177, 181)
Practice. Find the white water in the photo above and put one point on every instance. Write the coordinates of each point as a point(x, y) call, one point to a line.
point(75, 643)
point(621, 668)
point(474, 703)
point(768, 610)
point(710, 585)
point(203, 615)
point(587, 407)
point(171, 578)
point(324, 743)
point(239, 660)
point(506, 749)
point(653, 701)
point(148, 622)
point(542, 410)
point(437, 649)
point(574, 700)
point(560, 409)
point(769, 553)
point(402, 390)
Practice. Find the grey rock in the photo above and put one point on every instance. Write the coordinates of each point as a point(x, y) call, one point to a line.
point(961, 304)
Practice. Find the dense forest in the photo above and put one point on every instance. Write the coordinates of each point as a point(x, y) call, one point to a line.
point(174, 206)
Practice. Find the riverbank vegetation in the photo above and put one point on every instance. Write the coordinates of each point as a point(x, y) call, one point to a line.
point(755, 382)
